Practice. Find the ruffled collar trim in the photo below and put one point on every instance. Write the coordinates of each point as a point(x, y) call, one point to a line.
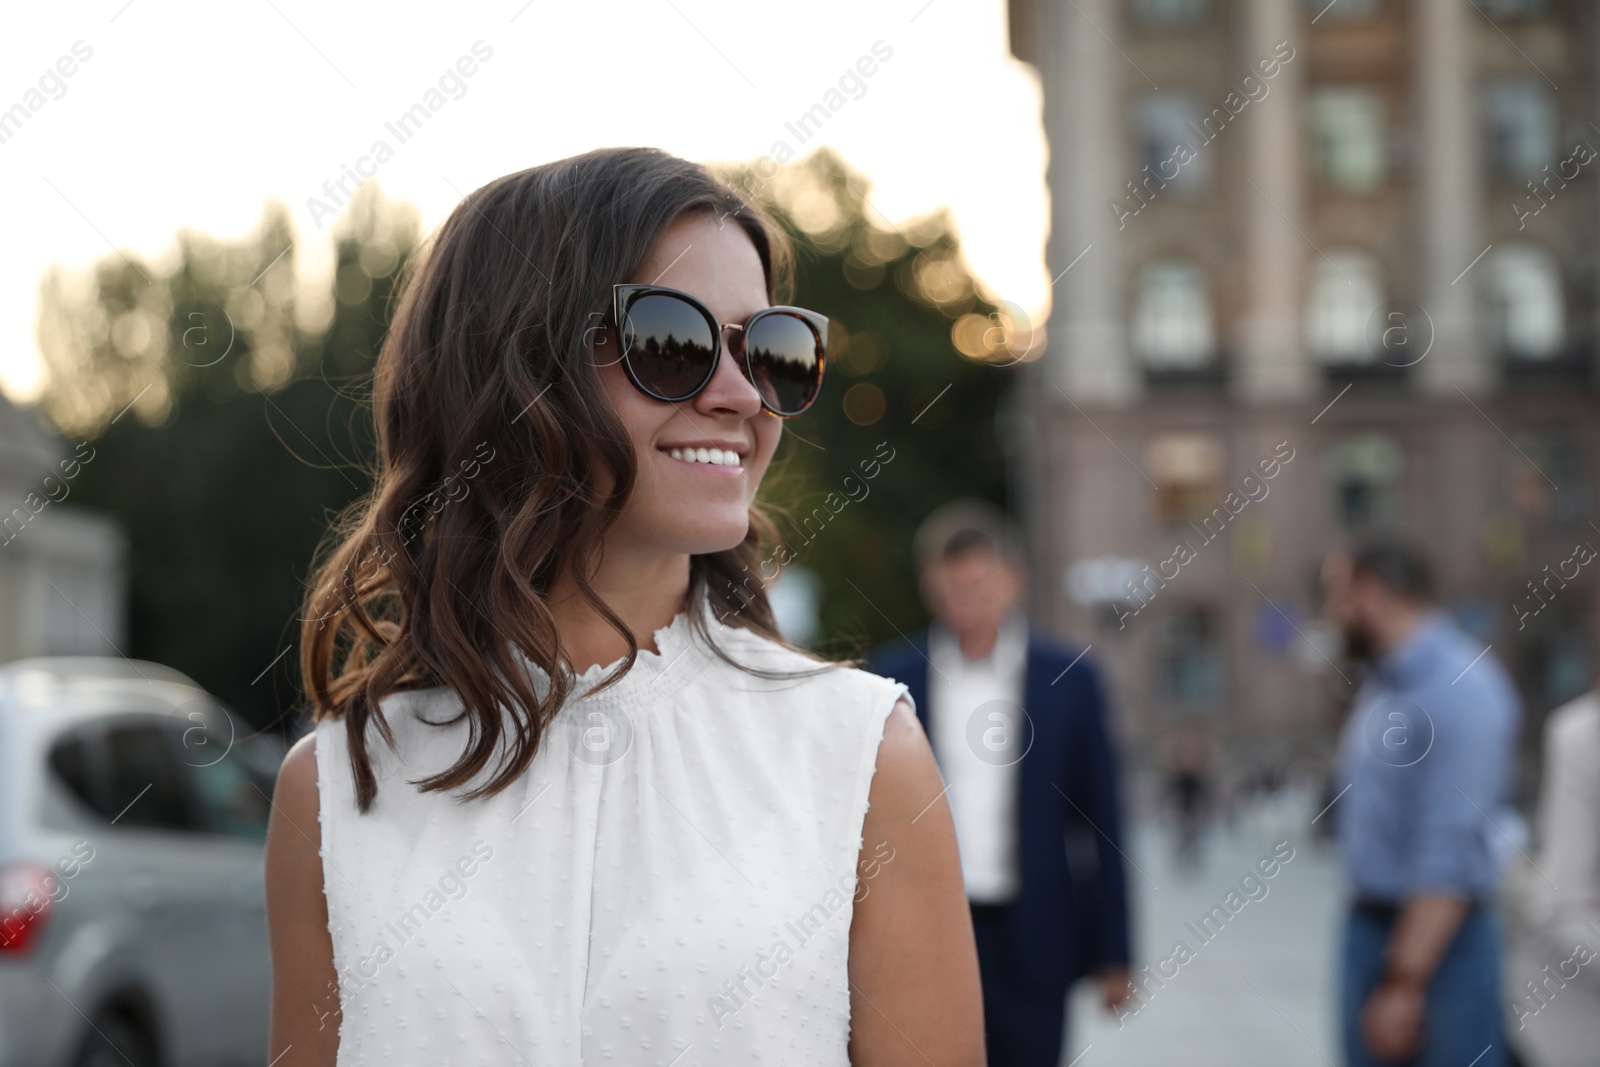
point(681, 653)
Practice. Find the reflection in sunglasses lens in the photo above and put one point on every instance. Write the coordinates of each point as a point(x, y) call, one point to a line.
point(784, 356)
point(669, 344)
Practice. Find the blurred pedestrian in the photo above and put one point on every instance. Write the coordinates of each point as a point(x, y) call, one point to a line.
point(1188, 767)
point(1019, 728)
point(1553, 901)
point(1425, 757)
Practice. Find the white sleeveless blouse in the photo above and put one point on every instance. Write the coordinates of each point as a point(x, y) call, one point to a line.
point(671, 882)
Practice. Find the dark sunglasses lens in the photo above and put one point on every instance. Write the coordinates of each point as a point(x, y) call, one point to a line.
point(785, 357)
point(669, 345)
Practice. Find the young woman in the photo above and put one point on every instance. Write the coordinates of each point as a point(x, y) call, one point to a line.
point(570, 797)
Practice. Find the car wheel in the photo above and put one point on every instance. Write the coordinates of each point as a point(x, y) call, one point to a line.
point(115, 1040)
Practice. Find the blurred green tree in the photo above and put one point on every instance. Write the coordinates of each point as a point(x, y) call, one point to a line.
point(920, 364)
point(240, 428)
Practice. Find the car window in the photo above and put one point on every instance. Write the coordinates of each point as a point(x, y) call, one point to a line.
point(232, 800)
point(146, 786)
point(70, 759)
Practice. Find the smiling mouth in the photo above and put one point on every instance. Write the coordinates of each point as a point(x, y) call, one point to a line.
point(705, 457)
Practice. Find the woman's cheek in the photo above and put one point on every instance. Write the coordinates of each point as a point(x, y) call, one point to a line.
point(770, 438)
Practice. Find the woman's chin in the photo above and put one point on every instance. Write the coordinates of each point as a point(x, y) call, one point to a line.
point(707, 537)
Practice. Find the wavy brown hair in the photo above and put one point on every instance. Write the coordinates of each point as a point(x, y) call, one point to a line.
point(491, 427)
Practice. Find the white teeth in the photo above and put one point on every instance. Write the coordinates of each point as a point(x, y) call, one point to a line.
point(717, 457)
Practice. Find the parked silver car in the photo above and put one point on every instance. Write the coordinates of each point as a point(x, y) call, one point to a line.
point(133, 815)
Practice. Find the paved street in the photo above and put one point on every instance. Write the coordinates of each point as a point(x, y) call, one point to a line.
point(1259, 991)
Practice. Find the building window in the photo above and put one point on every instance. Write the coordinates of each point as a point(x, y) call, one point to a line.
point(1170, 14)
point(1528, 313)
point(1364, 473)
point(1535, 462)
point(1190, 666)
point(1342, 10)
point(1520, 127)
point(1172, 323)
point(1166, 121)
point(1346, 288)
point(1347, 137)
point(1188, 471)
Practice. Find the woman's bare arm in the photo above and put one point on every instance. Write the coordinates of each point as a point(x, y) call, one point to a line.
point(914, 992)
point(305, 992)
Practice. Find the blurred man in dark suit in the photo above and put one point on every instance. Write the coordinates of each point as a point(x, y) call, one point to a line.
point(1018, 725)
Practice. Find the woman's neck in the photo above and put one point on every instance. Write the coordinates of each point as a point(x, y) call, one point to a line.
point(646, 594)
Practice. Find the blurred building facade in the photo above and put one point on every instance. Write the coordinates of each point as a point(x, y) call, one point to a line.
point(1349, 243)
point(62, 569)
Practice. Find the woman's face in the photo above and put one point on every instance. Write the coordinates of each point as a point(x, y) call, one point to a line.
point(678, 505)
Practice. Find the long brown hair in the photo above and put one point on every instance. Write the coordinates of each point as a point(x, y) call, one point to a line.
point(491, 424)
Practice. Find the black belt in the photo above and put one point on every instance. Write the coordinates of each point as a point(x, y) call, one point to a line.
point(1389, 910)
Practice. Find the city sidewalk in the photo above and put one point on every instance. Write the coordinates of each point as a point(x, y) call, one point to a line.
point(1252, 989)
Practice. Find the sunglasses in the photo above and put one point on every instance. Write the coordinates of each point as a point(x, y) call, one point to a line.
point(671, 345)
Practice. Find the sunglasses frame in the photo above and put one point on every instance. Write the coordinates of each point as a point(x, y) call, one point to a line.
point(623, 294)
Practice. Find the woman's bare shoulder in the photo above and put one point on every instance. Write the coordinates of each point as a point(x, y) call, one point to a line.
point(295, 798)
point(912, 958)
point(906, 770)
point(301, 948)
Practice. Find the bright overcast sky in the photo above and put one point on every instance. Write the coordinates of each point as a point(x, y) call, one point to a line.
point(193, 115)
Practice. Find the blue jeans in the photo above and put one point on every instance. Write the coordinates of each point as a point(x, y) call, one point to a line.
point(1461, 1017)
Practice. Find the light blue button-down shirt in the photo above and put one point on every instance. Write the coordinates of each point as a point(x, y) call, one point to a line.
point(1427, 753)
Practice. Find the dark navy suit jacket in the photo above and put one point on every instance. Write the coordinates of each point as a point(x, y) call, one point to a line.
point(1071, 915)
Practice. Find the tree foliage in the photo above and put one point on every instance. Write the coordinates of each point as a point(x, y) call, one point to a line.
point(230, 424)
point(896, 295)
